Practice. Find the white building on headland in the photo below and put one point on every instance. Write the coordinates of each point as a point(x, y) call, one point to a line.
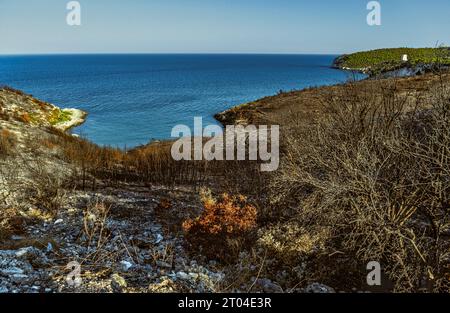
point(405, 58)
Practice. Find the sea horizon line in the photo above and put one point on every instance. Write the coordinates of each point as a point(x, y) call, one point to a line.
point(162, 53)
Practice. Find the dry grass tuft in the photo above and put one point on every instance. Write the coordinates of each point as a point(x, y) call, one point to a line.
point(95, 227)
point(289, 242)
point(7, 142)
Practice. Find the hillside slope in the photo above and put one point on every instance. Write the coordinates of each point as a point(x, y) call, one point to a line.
point(18, 106)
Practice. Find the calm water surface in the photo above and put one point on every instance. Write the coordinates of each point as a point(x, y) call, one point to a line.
point(132, 99)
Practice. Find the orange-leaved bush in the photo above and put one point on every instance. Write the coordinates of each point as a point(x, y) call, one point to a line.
point(224, 228)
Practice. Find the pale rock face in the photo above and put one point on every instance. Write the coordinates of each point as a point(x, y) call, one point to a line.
point(183, 276)
point(405, 58)
point(159, 238)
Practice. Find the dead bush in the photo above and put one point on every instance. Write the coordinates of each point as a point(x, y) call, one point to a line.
point(10, 222)
point(95, 228)
point(9, 181)
point(375, 171)
point(224, 228)
point(45, 185)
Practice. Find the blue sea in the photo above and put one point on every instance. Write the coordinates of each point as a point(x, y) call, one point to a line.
point(133, 99)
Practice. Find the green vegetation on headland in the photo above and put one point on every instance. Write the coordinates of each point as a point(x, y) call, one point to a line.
point(59, 116)
point(385, 60)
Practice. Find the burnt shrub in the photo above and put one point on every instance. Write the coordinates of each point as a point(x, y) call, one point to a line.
point(224, 228)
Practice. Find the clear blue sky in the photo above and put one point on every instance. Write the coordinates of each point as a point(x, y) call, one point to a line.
point(219, 26)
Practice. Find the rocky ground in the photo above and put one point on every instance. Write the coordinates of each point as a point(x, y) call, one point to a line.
point(115, 237)
point(121, 245)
